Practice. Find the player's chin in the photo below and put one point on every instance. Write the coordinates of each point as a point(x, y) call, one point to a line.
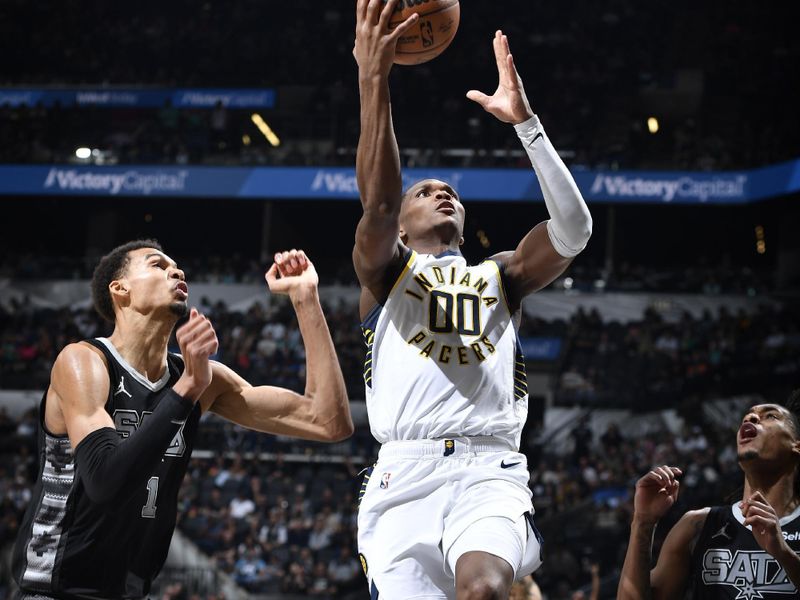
point(180, 309)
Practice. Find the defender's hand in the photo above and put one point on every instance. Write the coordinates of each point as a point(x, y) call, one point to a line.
point(198, 342)
point(759, 514)
point(509, 102)
point(375, 45)
point(292, 274)
point(656, 492)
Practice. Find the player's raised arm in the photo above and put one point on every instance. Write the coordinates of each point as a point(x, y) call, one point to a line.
point(322, 412)
point(656, 492)
point(378, 160)
point(546, 251)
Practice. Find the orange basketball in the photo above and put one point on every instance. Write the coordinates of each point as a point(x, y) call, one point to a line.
point(431, 34)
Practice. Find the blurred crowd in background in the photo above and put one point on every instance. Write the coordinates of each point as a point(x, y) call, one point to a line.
point(594, 72)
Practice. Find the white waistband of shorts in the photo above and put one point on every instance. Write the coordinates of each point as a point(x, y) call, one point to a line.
point(443, 447)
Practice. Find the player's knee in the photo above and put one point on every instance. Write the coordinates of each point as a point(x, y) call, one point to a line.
point(484, 587)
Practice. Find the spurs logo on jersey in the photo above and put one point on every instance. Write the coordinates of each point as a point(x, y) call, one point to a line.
point(751, 573)
point(127, 421)
point(728, 563)
point(443, 359)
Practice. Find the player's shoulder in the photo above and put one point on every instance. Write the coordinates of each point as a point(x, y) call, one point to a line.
point(80, 354)
point(691, 524)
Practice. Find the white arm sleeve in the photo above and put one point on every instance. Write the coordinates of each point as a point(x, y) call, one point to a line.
point(570, 224)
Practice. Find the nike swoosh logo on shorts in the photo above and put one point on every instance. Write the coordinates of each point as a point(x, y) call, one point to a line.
point(503, 464)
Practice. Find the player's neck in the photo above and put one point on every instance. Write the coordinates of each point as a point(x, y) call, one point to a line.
point(777, 487)
point(433, 246)
point(142, 343)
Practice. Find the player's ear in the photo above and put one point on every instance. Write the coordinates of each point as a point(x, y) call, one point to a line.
point(119, 289)
point(461, 241)
point(403, 235)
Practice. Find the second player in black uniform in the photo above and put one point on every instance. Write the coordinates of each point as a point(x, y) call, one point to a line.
point(119, 419)
point(745, 551)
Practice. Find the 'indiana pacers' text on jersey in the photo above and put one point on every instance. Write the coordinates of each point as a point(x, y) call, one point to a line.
point(70, 547)
point(728, 563)
point(443, 357)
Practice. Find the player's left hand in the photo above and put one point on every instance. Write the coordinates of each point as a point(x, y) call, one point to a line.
point(291, 273)
point(509, 102)
point(759, 514)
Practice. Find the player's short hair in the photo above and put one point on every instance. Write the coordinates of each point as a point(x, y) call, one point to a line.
point(111, 267)
point(792, 404)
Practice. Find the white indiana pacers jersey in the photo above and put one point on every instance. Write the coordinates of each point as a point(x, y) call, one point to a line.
point(443, 358)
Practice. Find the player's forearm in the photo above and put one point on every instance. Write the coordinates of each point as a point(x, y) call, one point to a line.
point(634, 581)
point(378, 158)
point(791, 564)
point(112, 468)
point(324, 380)
point(570, 224)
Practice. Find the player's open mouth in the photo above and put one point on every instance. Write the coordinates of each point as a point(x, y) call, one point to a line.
point(182, 289)
point(747, 432)
point(446, 207)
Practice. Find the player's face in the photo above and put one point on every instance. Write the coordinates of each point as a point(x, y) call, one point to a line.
point(154, 281)
point(430, 204)
point(766, 432)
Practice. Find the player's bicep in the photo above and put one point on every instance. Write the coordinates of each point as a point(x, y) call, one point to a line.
point(669, 577)
point(377, 244)
point(80, 382)
point(534, 264)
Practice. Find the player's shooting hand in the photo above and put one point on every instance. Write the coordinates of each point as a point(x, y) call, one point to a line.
point(198, 342)
point(759, 514)
point(375, 44)
point(656, 492)
point(509, 102)
point(292, 274)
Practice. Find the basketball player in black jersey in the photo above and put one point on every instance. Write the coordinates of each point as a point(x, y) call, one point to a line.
point(119, 419)
point(745, 551)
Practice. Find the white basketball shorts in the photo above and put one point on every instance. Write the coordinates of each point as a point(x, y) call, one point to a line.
point(427, 502)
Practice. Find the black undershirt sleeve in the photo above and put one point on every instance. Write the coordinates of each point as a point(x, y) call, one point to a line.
point(110, 468)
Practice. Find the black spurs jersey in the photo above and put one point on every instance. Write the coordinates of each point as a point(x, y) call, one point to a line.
point(69, 547)
point(728, 563)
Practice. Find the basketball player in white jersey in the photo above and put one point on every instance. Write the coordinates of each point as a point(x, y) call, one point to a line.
point(446, 511)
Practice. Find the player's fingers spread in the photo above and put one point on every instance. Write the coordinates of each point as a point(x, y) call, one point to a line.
point(386, 14)
point(404, 26)
point(372, 11)
point(361, 10)
point(478, 97)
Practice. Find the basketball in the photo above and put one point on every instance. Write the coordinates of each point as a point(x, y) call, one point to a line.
point(431, 34)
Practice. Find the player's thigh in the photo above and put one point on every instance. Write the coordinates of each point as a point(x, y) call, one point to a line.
point(399, 534)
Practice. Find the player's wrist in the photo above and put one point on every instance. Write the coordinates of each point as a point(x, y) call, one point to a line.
point(303, 294)
point(529, 126)
point(644, 521)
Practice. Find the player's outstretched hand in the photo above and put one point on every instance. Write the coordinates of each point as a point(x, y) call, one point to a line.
point(198, 342)
point(291, 273)
point(656, 492)
point(759, 514)
point(376, 45)
point(509, 102)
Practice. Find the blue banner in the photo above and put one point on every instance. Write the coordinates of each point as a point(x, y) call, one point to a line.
point(507, 185)
point(139, 98)
point(540, 348)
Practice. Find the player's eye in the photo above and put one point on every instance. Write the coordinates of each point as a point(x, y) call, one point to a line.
point(422, 193)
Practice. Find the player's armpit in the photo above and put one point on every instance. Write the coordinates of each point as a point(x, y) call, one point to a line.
point(274, 410)
point(533, 265)
point(669, 577)
point(80, 381)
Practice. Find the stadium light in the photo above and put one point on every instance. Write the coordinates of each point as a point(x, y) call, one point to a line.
point(652, 125)
point(83, 152)
point(265, 129)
